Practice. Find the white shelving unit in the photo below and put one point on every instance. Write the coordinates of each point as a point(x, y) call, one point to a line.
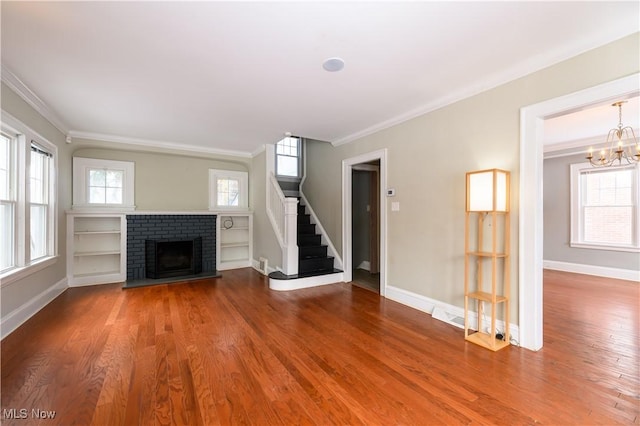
point(96, 248)
point(234, 242)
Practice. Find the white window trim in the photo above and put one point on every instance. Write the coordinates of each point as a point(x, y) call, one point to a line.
point(243, 201)
point(23, 265)
point(51, 204)
point(287, 178)
point(81, 168)
point(576, 216)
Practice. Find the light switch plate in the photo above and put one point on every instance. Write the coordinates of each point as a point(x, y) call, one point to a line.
point(395, 206)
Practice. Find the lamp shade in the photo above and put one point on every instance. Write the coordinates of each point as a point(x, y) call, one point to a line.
point(488, 191)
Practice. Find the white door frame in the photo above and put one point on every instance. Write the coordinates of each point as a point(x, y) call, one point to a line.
point(531, 186)
point(347, 243)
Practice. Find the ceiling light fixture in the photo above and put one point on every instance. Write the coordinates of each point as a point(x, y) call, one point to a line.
point(333, 64)
point(617, 151)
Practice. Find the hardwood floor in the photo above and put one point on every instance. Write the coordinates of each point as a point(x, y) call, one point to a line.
point(230, 351)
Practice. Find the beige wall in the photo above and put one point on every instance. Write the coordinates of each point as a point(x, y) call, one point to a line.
point(427, 160)
point(265, 243)
point(165, 181)
point(21, 292)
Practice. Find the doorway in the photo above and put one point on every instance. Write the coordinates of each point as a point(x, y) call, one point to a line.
point(365, 225)
point(530, 209)
point(369, 172)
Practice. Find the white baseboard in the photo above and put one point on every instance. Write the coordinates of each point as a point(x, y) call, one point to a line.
point(450, 314)
point(365, 264)
point(600, 271)
point(255, 264)
point(300, 283)
point(14, 319)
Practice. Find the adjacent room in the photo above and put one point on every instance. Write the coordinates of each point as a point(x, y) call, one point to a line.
point(320, 213)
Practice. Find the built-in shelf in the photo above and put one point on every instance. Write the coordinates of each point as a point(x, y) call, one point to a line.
point(234, 241)
point(96, 245)
point(97, 253)
point(96, 232)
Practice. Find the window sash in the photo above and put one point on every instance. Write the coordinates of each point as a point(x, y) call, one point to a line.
point(8, 227)
point(106, 189)
point(289, 157)
point(39, 231)
point(7, 168)
point(40, 222)
point(228, 190)
point(605, 207)
point(28, 218)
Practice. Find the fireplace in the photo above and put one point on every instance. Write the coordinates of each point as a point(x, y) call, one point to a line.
point(173, 257)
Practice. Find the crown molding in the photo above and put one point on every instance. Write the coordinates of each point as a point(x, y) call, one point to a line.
point(156, 144)
point(513, 73)
point(29, 96)
point(258, 151)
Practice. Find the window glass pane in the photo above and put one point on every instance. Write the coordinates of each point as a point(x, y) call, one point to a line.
point(114, 178)
point(97, 195)
point(7, 231)
point(113, 195)
point(287, 166)
point(106, 186)
point(608, 188)
point(611, 225)
point(228, 192)
point(38, 231)
point(608, 208)
point(97, 177)
point(5, 174)
point(38, 179)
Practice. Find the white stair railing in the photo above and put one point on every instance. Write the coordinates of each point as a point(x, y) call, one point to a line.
point(283, 214)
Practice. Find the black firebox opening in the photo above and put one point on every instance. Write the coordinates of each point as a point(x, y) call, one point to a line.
point(173, 258)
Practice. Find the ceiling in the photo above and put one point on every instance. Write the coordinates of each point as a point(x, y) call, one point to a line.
point(232, 76)
point(590, 125)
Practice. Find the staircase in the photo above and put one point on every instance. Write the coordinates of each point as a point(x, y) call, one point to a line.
point(305, 259)
point(312, 254)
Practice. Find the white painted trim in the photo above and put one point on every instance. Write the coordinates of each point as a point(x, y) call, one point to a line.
point(16, 85)
point(599, 271)
point(26, 135)
point(442, 311)
point(14, 319)
point(243, 181)
point(480, 86)
point(578, 213)
point(531, 184)
point(176, 146)
point(579, 146)
point(178, 212)
point(300, 283)
point(16, 274)
point(347, 243)
point(258, 151)
point(81, 167)
point(325, 237)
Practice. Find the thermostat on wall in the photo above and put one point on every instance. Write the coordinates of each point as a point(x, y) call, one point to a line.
point(391, 192)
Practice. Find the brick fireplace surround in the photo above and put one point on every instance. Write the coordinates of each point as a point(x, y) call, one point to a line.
point(141, 227)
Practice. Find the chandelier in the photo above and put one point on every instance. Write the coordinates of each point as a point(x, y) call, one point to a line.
point(617, 150)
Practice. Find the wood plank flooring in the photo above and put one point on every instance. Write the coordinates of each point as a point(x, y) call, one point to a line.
point(230, 351)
